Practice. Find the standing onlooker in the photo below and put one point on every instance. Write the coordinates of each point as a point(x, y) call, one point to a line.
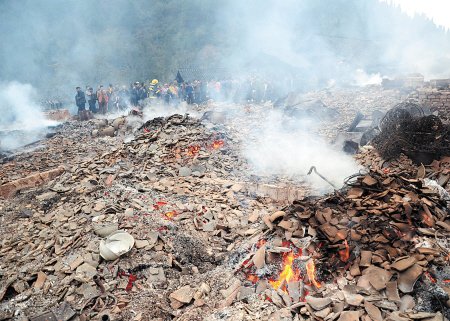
point(197, 95)
point(124, 97)
point(92, 98)
point(110, 93)
point(189, 94)
point(80, 100)
point(102, 98)
point(134, 95)
point(173, 90)
point(165, 93)
point(153, 89)
point(142, 93)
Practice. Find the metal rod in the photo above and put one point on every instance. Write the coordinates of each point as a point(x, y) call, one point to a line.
point(313, 168)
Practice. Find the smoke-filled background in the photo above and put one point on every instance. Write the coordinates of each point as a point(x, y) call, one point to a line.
point(54, 46)
point(57, 45)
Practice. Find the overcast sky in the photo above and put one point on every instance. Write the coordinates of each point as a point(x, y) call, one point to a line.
point(437, 10)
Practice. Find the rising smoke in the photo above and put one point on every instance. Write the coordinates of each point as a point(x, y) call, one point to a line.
point(322, 40)
point(56, 46)
point(21, 120)
point(318, 43)
point(286, 146)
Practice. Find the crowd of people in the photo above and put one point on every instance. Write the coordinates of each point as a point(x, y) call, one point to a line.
point(114, 98)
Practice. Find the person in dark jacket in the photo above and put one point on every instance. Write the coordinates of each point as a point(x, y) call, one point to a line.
point(80, 100)
point(189, 94)
point(142, 93)
point(134, 95)
point(92, 98)
point(124, 97)
point(110, 94)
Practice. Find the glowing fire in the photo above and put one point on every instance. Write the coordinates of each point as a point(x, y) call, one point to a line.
point(193, 150)
point(170, 215)
point(288, 274)
point(432, 279)
point(217, 144)
point(427, 219)
point(311, 271)
point(446, 281)
point(159, 204)
point(345, 253)
point(260, 243)
point(252, 278)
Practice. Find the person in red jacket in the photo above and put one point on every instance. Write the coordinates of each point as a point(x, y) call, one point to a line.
point(102, 98)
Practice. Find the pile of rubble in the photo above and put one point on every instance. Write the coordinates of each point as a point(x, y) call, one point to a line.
point(377, 248)
point(349, 102)
point(174, 187)
point(437, 98)
point(161, 220)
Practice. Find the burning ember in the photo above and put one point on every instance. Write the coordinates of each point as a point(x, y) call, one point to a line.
point(290, 271)
point(345, 253)
point(311, 271)
point(193, 150)
point(427, 219)
point(430, 277)
point(260, 243)
point(170, 215)
point(252, 278)
point(288, 274)
point(159, 204)
point(217, 144)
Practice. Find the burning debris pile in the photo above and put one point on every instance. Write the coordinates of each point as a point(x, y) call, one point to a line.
point(160, 220)
point(407, 129)
point(175, 188)
point(368, 249)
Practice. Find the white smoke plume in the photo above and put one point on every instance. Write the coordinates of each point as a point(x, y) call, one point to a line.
point(362, 78)
point(290, 146)
point(22, 120)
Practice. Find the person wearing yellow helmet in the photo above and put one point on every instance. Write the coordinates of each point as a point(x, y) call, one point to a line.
point(153, 89)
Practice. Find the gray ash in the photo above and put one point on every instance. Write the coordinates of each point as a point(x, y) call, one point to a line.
point(191, 250)
point(431, 297)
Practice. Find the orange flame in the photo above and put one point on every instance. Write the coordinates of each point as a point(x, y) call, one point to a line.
point(217, 144)
point(345, 253)
point(288, 274)
point(311, 271)
point(252, 278)
point(260, 243)
point(432, 279)
point(446, 281)
point(170, 215)
point(193, 150)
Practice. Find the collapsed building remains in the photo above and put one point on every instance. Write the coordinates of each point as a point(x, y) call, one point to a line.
point(162, 220)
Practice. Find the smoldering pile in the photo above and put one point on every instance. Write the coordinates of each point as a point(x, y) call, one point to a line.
point(175, 187)
point(179, 187)
point(408, 129)
point(375, 245)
